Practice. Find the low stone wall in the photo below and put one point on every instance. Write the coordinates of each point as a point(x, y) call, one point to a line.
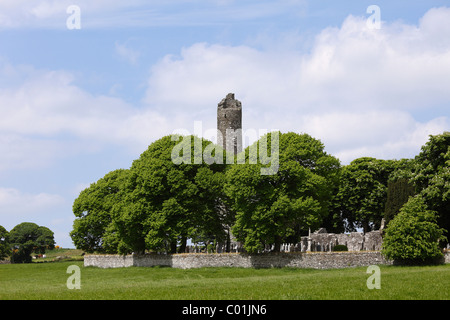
point(322, 260)
point(109, 261)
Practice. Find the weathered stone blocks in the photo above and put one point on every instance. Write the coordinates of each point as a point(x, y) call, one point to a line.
point(322, 260)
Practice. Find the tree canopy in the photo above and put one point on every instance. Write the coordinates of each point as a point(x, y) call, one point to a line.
point(397, 194)
point(28, 237)
point(155, 205)
point(362, 192)
point(272, 208)
point(4, 245)
point(92, 228)
point(165, 203)
point(431, 176)
point(182, 188)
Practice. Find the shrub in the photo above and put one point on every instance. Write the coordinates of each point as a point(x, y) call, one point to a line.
point(340, 247)
point(20, 256)
point(210, 248)
point(413, 235)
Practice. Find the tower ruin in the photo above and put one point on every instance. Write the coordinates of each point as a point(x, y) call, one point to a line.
point(229, 124)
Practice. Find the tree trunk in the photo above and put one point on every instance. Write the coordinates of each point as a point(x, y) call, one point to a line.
point(173, 247)
point(365, 225)
point(139, 248)
point(277, 244)
point(182, 247)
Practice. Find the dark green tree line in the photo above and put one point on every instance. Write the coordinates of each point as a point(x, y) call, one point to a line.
point(159, 203)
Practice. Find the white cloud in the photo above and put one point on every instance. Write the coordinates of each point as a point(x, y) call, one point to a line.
point(357, 90)
point(14, 202)
point(115, 13)
point(379, 134)
point(395, 67)
point(360, 90)
point(46, 117)
point(20, 152)
point(350, 68)
point(52, 13)
point(128, 54)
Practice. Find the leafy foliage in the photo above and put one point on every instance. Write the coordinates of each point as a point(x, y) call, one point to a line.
point(166, 203)
point(272, 193)
point(431, 176)
point(362, 192)
point(28, 237)
point(413, 234)
point(4, 243)
point(398, 193)
point(271, 208)
point(156, 204)
point(92, 228)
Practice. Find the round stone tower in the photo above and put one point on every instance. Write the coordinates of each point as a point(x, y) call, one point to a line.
point(229, 123)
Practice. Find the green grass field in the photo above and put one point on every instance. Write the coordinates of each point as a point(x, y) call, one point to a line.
point(48, 281)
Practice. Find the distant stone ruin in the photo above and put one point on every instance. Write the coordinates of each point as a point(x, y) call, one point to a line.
point(354, 241)
point(319, 241)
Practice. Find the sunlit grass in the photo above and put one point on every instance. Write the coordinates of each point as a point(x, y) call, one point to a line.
point(48, 281)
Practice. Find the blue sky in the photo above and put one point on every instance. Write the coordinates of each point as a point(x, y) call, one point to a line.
point(76, 104)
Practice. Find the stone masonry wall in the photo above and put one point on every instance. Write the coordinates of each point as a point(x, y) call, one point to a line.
point(317, 260)
point(322, 260)
point(109, 261)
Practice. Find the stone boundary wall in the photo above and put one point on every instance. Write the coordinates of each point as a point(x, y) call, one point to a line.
point(109, 261)
point(318, 260)
point(322, 260)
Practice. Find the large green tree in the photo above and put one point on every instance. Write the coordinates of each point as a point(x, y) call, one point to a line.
point(295, 195)
point(362, 192)
point(169, 197)
point(431, 176)
point(93, 229)
point(28, 237)
point(5, 251)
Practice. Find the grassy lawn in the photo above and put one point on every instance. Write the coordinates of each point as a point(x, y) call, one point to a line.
point(48, 281)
